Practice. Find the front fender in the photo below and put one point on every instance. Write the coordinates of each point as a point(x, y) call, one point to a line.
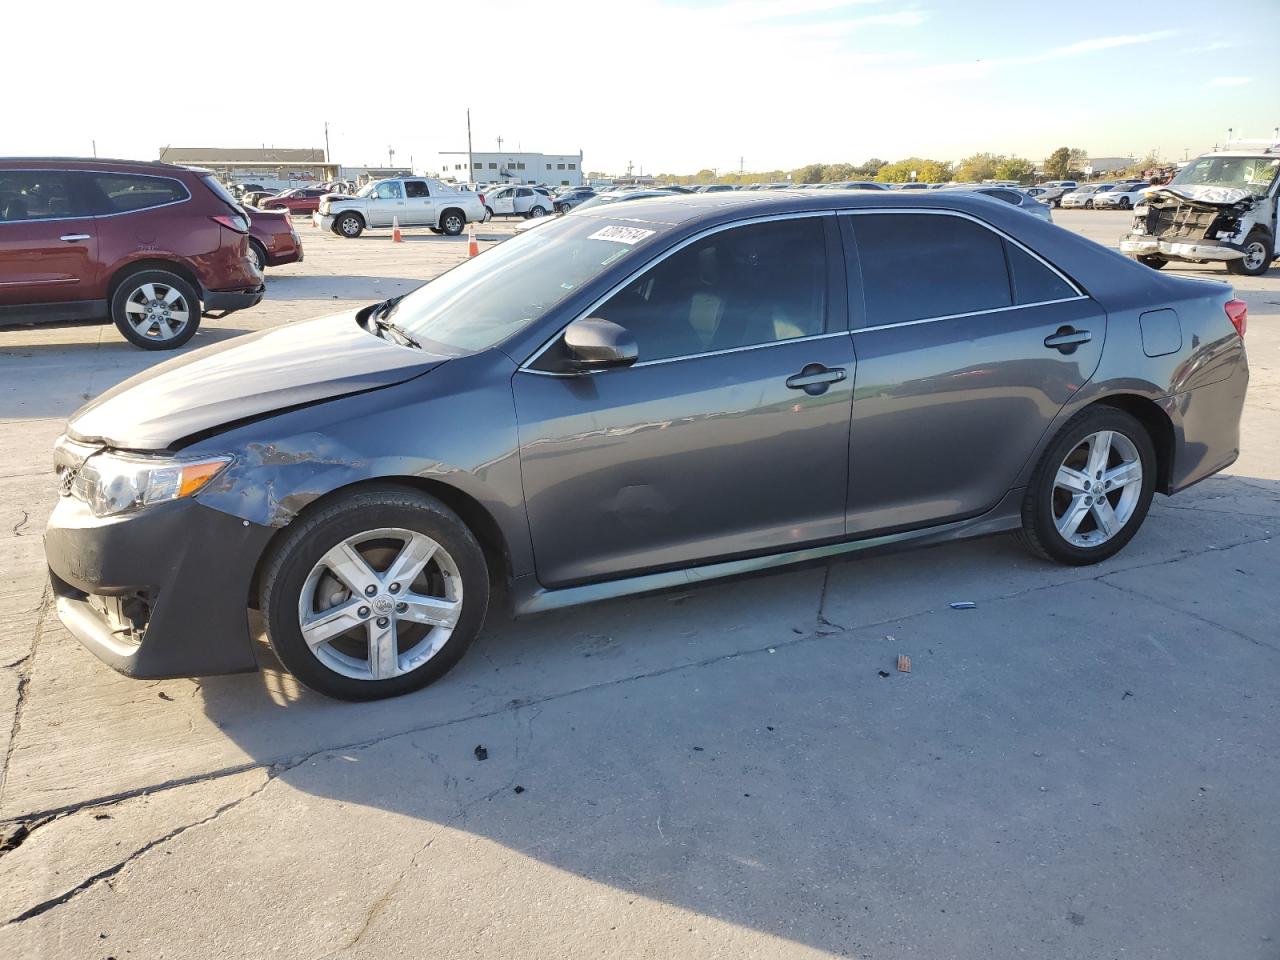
point(455, 425)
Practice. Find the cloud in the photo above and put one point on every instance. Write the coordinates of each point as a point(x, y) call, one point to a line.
point(1230, 81)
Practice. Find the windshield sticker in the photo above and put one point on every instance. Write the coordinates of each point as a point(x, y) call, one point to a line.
point(627, 235)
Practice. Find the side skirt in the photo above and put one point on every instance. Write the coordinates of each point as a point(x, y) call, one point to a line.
point(528, 596)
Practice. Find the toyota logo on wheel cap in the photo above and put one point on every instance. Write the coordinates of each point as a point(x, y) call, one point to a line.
point(383, 604)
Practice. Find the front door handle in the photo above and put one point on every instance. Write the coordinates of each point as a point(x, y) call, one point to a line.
point(815, 378)
point(1067, 339)
point(73, 237)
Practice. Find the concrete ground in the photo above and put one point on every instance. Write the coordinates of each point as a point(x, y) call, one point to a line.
point(1085, 765)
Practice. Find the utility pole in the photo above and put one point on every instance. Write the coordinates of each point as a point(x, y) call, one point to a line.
point(95, 147)
point(470, 167)
point(326, 141)
point(499, 144)
point(391, 157)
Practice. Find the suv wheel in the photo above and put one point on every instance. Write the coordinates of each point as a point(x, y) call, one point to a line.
point(376, 595)
point(348, 225)
point(257, 255)
point(1258, 254)
point(537, 211)
point(1091, 490)
point(156, 310)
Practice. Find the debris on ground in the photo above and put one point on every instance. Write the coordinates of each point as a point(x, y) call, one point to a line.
point(518, 789)
point(884, 674)
point(904, 663)
point(481, 752)
point(963, 605)
point(164, 696)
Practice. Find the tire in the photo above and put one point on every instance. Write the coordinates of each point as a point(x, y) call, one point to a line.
point(1155, 263)
point(1259, 252)
point(258, 255)
point(348, 225)
point(156, 310)
point(1124, 203)
point(453, 222)
point(1088, 204)
point(297, 583)
point(536, 212)
point(1046, 501)
point(488, 214)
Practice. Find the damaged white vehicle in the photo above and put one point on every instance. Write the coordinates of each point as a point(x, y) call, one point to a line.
point(1221, 207)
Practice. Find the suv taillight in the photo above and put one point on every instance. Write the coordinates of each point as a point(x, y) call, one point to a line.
point(233, 222)
point(481, 196)
point(1238, 314)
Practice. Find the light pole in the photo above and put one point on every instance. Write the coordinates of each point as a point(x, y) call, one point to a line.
point(391, 157)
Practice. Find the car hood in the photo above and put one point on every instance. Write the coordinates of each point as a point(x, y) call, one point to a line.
point(1206, 193)
point(247, 377)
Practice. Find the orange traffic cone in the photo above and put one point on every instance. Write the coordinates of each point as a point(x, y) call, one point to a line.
point(473, 245)
point(395, 231)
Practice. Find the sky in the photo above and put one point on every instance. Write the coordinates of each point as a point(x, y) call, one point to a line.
point(670, 86)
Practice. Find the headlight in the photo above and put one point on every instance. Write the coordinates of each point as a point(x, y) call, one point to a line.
point(324, 208)
point(112, 483)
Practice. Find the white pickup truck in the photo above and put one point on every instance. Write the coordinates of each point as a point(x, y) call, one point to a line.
point(410, 201)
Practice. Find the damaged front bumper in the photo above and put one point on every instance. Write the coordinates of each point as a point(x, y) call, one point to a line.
point(160, 593)
point(1140, 245)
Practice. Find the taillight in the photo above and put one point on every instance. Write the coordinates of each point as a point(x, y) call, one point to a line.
point(234, 222)
point(481, 198)
point(1238, 314)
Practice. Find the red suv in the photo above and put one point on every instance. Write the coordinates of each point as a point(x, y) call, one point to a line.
point(152, 245)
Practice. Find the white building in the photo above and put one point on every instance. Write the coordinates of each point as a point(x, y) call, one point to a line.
point(556, 169)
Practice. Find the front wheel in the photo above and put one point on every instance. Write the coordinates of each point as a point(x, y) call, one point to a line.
point(1091, 490)
point(1088, 204)
point(1258, 254)
point(156, 310)
point(376, 595)
point(348, 225)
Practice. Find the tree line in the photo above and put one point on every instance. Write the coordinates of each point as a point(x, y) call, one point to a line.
point(1064, 163)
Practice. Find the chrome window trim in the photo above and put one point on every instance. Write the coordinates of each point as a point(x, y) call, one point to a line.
point(710, 231)
point(1080, 294)
point(105, 173)
point(956, 316)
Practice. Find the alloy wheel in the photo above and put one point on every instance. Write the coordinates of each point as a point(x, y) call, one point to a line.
point(350, 226)
point(1255, 253)
point(254, 258)
point(453, 224)
point(157, 311)
point(380, 604)
point(1097, 488)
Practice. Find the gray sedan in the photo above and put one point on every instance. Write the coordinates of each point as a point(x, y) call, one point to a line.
point(1012, 196)
point(633, 398)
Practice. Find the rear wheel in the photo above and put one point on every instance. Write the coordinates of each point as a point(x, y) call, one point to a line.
point(1088, 204)
point(348, 225)
point(1258, 254)
point(376, 595)
point(1155, 263)
point(1091, 490)
point(257, 255)
point(156, 310)
point(453, 222)
point(537, 211)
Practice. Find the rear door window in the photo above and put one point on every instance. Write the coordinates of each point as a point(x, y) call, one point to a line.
point(415, 188)
point(920, 266)
point(38, 195)
point(1033, 282)
point(125, 193)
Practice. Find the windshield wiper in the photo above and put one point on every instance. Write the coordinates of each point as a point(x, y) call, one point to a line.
point(380, 316)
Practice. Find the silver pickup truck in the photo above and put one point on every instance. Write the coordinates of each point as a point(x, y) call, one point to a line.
point(409, 201)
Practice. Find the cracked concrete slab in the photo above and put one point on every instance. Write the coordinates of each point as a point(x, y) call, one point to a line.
point(1000, 794)
point(78, 711)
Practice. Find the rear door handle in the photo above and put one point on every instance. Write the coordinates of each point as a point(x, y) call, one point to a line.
point(1067, 339)
point(815, 378)
point(73, 237)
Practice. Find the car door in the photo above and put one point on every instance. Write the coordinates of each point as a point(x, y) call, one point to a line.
point(48, 240)
point(525, 200)
point(385, 203)
point(419, 207)
point(728, 436)
point(502, 201)
point(968, 345)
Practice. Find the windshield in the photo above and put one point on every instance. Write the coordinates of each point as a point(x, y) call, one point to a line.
point(367, 188)
point(482, 301)
point(599, 200)
point(1254, 175)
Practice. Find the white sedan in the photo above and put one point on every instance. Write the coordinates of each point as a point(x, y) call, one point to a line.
point(1122, 198)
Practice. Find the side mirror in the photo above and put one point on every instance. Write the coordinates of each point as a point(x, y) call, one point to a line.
point(594, 343)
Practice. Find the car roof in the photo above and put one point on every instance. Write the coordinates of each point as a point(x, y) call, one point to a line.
point(98, 163)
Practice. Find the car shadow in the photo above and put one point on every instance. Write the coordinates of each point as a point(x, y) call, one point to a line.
point(746, 750)
point(339, 287)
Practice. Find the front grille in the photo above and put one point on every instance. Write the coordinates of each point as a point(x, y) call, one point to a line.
point(1180, 221)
